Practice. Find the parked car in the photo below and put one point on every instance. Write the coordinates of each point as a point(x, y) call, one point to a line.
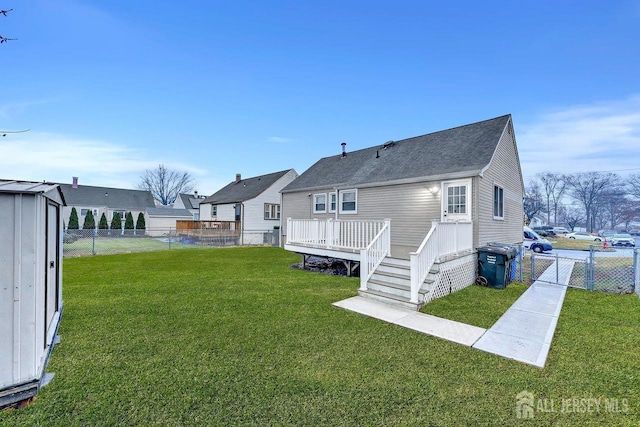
point(581, 235)
point(622, 240)
point(544, 232)
point(635, 232)
point(561, 230)
point(535, 242)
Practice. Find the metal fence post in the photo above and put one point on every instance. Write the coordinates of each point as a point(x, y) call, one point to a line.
point(557, 270)
point(169, 238)
point(533, 267)
point(636, 273)
point(93, 242)
point(591, 269)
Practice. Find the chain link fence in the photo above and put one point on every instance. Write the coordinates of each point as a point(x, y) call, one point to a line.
point(594, 270)
point(78, 243)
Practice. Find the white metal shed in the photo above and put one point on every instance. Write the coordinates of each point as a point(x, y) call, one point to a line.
point(30, 284)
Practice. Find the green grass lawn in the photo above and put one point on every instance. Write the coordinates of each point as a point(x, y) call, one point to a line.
point(235, 336)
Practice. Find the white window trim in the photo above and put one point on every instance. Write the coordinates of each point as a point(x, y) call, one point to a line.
point(334, 196)
point(493, 205)
point(313, 200)
point(342, 193)
point(272, 208)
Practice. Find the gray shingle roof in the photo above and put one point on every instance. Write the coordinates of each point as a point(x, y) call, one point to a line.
point(464, 150)
point(189, 201)
point(114, 198)
point(244, 190)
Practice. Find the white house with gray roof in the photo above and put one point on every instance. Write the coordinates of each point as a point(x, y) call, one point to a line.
point(255, 202)
point(402, 208)
point(105, 200)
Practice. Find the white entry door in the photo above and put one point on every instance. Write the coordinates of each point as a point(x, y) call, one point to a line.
point(456, 200)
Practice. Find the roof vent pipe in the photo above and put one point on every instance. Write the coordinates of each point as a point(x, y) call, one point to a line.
point(377, 154)
point(344, 152)
point(75, 182)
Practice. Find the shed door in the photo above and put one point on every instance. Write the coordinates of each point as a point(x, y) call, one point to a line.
point(52, 291)
point(456, 200)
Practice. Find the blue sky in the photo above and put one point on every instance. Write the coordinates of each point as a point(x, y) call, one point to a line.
point(214, 88)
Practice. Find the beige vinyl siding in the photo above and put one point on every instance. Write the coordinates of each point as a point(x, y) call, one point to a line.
point(504, 171)
point(410, 207)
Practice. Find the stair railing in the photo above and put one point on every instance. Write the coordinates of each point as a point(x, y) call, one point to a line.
point(374, 253)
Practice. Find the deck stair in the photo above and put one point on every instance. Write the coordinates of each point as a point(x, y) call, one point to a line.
point(391, 283)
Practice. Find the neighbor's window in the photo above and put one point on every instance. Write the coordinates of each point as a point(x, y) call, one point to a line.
point(214, 210)
point(271, 211)
point(83, 212)
point(332, 202)
point(498, 202)
point(319, 203)
point(348, 201)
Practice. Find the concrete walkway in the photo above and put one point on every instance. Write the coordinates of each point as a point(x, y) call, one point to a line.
point(523, 333)
point(457, 332)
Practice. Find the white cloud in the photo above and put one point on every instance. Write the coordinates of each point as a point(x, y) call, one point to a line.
point(604, 136)
point(47, 157)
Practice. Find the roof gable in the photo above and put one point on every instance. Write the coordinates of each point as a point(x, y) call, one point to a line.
point(245, 189)
point(464, 150)
point(114, 198)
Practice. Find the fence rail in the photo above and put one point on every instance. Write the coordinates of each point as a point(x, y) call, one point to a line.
point(77, 243)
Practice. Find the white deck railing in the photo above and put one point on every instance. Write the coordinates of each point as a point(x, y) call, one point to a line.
point(444, 238)
point(333, 233)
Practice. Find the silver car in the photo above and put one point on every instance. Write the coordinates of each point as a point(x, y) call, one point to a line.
point(622, 240)
point(581, 235)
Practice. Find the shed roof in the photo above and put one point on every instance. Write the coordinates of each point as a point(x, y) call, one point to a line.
point(114, 198)
point(457, 152)
point(169, 212)
point(245, 189)
point(50, 190)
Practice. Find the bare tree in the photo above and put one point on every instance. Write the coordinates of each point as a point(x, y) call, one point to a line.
point(634, 185)
point(533, 203)
point(165, 184)
point(587, 187)
point(572, 217)
point(554, 186)
point(612, 205)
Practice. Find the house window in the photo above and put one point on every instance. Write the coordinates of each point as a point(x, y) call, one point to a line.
point(348, 201)
point(498, 202)
point(332, 202)
point(271, 211)
point(83, 212)
point(214, 210)
point(319, 203)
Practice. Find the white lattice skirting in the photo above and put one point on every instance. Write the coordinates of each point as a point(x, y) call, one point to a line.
point(454, 275)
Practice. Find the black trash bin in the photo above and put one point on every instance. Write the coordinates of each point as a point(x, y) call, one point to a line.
point(494, 265)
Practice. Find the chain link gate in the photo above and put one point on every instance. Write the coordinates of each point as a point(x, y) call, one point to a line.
point(607, 272)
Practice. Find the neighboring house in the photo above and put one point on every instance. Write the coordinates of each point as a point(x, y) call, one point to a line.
point(161, 221)
point(403, 208)
point(536, 221)
point(190, 202)
point(254, 202)
point(105, 200)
